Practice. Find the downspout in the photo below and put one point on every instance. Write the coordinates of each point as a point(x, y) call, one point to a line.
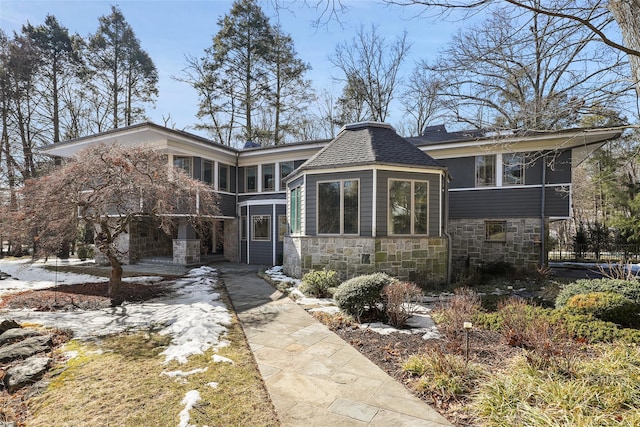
point(543, 231)
point(238, 212)
point(445, 224)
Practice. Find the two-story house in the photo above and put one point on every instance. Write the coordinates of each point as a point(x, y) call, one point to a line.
point(370, 200)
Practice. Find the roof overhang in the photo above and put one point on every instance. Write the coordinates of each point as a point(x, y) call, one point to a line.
point(551, 141)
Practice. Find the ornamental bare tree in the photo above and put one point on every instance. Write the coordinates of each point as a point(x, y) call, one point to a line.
point(527, 71)
point(108, 188)
point(370, 64)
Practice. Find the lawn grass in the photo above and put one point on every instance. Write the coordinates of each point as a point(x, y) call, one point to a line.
point(118, 381)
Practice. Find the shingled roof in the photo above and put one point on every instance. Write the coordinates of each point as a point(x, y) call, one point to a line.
point(369, 143)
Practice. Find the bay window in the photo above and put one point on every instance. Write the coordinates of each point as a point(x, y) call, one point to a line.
point(408, 207)
point(338, 207)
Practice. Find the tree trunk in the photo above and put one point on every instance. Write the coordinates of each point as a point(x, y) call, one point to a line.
point(115, 279)
point(627, 15)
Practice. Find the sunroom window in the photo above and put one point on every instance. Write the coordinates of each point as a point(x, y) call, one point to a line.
point(295, 211)
point(251, 175)
point(184, 163)
point(268, 177)
point(338, 207)
point(408, 207)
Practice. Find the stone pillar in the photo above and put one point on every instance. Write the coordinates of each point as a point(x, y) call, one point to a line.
point(186, 248)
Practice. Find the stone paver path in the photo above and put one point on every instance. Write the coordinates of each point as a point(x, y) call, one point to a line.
point(315, 378)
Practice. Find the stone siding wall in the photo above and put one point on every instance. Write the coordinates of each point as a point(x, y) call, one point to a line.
point(470, 248)
point(186, 251)
point(147, 240)
point(423, 260)
point(231, 243)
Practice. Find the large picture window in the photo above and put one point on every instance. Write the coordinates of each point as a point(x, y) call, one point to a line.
point(513, 168)
point(486, 171)
point(251, 178)
point(295, 211)
point(268, 177)
point(408, 207)
point(338, 207)
point(261, 227)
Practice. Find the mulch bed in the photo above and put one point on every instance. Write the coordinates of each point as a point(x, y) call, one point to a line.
point(390, 352)
point(85, 296)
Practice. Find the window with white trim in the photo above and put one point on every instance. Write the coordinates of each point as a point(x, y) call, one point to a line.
point(285, 169)
point(251, 179)
point(513, 168)
point(486, 170)
point(207, 171)
point(223, 177)
point(338, 207)
point(295, 212)
point(184, 163)
point(261, 227)
point(268, 177)
point(408, 207)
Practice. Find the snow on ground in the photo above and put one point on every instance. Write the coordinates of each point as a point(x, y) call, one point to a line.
point(26, 275)
point(194, 315)
point(420, 323)
point(190, 400)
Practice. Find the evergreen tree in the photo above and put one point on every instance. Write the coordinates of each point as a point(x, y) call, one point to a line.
point(118, 65)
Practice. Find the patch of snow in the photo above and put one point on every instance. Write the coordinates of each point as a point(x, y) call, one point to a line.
point(420, 323)
point(221, 359)
point(213, 384)
point(194, 315)
point(183, 374)
point(190, 399)
point(276, 274)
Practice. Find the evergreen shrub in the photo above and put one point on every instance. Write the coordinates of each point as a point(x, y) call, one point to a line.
point(607, 306)
point(361, 293)
point(319, 283)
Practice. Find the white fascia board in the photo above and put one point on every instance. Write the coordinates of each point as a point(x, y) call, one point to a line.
point(418, 169)
point(262, 202)
point(551, 141)
point(280, 153)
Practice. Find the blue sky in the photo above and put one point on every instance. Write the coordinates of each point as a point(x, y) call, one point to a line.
point(170, 29)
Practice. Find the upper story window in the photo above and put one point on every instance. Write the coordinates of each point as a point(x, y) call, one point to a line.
point(285, 169)
point(268, 177)
point(223, 177)
point(486, 170)
point(338, 207)
point(408, 207)
point(207, 171)
point(251, 178)
point(513, 168)
point(184, 163)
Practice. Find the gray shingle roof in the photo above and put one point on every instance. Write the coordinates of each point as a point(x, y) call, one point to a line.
point(369, 143)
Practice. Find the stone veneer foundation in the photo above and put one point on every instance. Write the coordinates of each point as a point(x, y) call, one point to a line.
point(470, 248)
point(419, 259)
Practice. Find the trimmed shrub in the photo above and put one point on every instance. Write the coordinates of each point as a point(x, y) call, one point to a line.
point(627, 288)
point(318, 283)
point(400, 302)
point(607, 306)
point(362, 293)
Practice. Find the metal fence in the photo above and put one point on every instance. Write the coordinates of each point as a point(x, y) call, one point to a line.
point(609, 253)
